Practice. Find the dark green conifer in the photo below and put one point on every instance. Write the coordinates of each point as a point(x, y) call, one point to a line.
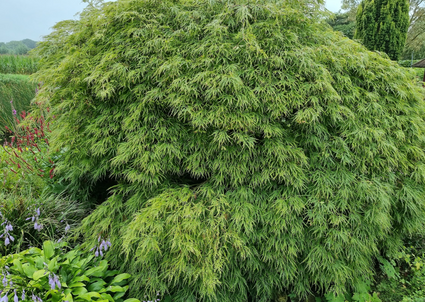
point(256, 152)
point(382, 25)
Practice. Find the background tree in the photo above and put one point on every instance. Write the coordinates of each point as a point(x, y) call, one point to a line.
point(382, 25)
point(4, 50)
point(415, 42)
point(350, 8)
point(17, 47)
point(343, 23)
point(245, 149)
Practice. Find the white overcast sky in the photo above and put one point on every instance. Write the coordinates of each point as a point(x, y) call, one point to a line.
point(33, 19)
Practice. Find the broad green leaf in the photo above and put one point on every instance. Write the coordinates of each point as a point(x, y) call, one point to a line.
point(81, 278)
point(99, 270)
point(89, 296)
point(76, 291)
point(39, 274)
point(120, 278)
point(53, 265)
point(69, 298)
point(96, 286)
point(48, 249)
point(76, 284)
point(107, 297)
point(18, 265)
point(132, 300)
point(118, 295)
point(116, 289)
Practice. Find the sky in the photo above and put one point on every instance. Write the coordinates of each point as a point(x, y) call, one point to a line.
point(332, 5)
point(33, 19)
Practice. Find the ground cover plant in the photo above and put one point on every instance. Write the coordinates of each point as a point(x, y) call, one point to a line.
point(16, 93)
point(15, 64)
point(250, 151)
point(55, 274)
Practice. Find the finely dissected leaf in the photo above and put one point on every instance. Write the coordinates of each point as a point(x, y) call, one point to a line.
point(238, 150)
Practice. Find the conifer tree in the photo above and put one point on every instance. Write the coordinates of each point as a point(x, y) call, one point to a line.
point(255, 151)
point(382, 25)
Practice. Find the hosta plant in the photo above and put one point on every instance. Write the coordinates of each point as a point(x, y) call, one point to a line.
point(52, 274)
point(249, 151)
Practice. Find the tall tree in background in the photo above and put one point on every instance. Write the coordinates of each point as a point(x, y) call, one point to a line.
point(350, 8)
point(415, 42)
point(382, 25)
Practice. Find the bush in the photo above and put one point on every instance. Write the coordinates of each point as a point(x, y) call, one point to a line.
point(51, 274)
point(254, 151)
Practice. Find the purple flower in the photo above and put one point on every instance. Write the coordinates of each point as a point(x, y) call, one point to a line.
point(15, 298)
point(37, 226)
point(56, 279)
point(23, 294)
point(6, 241)
point(67, 228)
point(14, 112)
point(52, 282)
point(4, 298)
point(4, 281)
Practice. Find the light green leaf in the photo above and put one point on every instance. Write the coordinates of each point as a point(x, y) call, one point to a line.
point(18, 265)
point(81, 278)
point(116, 289)
point(99, 270)
point(76, 284)
point(120, 278)
point(48, 249)
point(39, 274)
point(79, 291)
point(89, 296)
point(107, 297)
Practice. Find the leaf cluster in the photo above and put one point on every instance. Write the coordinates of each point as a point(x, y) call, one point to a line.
point(81, 277)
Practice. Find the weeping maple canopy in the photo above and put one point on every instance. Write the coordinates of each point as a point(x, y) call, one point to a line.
point(256, 152)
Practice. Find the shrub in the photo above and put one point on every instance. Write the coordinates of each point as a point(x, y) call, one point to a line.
point(51, 274)
point(256, 152)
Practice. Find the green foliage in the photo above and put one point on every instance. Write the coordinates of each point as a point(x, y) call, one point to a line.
point(58, 217)
point(403, 278)
point(361, 295)
point(81, 276)
point(20, 90)
point(17, 64)
point(256, 152)
point(342, 22)
point(382, 25)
